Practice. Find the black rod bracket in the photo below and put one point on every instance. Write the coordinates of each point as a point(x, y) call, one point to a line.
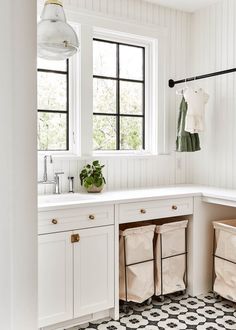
point(172, 83)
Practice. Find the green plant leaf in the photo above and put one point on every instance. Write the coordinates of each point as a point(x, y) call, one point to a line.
point(98, 183)
point(92, 175)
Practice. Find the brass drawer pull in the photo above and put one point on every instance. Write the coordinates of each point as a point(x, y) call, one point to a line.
point(75, 238)
point(92, 217)
point(143, 211)
point(174, 207)
point(54, 221)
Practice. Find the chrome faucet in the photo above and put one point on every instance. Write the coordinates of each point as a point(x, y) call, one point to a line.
point(56, 180)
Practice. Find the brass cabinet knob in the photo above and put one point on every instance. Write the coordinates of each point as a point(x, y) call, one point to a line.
point(54, 221)
point(143, 211)
point(75, 238)
point(174, 207)
point(91, 217)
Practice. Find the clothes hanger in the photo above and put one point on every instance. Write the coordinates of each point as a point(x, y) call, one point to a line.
point(183, 89)
point(195, 87)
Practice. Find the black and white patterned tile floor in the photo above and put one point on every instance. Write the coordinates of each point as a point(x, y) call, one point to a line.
point(176, 312)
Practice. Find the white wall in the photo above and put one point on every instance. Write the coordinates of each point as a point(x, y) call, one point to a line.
point(214, 48)
point(5, 142)
point(18, 212)
point(164, 169)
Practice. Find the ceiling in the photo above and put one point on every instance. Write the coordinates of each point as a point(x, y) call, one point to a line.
point(185, 5)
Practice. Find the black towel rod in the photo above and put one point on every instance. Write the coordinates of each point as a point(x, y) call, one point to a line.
point(172, 83)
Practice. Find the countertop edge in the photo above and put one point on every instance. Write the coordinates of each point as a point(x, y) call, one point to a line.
point(209, 194)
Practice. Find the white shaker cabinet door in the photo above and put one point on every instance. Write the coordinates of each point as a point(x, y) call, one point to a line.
point(94, 270)
point(55, 278)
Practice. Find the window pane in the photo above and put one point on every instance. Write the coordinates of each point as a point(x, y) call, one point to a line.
point(104, 59)
point(52, 91)
point(131, 129)
point(131, 62)
point(51, 65)
point(131, 98)
point(52, 131)
point(104, 132)
point(104, 95)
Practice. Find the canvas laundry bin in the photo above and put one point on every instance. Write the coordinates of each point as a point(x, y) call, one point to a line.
point(136, 263)
point(171, 257)
point(225, 258)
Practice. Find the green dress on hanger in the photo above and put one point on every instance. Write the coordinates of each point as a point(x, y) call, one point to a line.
point(185, 142)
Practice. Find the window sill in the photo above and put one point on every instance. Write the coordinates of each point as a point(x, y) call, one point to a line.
point(58, 155)
point(103, 155)
point(132, 155)
point(122, 154)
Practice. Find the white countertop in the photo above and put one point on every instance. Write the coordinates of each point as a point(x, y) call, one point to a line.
point(208, 194)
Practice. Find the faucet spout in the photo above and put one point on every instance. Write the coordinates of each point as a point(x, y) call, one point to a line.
point(45, 173)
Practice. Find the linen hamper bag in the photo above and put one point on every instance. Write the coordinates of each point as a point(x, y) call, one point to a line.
point(225, 259)
point(170, 257)
point(136, 264)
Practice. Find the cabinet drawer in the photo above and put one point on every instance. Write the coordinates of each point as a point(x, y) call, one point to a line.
point(148, 210)
point(77, 218)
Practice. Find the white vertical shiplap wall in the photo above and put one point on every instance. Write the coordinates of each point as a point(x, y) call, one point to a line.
point(214, 48)
point(120, 173)
point(124, 173)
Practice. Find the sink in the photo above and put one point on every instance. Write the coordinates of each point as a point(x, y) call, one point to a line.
point(64, 198)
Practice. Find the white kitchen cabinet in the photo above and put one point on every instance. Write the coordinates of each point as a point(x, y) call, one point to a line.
point(75, 274)
point(55, 276)
point(94, 270)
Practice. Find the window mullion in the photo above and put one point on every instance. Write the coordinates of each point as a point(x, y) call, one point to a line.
point(144, 119)
point(67, 106)
point(118, 98)
point(52, 71)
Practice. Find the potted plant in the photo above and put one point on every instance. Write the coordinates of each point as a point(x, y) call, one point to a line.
point(91, 177)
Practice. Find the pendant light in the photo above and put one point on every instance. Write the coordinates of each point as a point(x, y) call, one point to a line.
point(57, 40)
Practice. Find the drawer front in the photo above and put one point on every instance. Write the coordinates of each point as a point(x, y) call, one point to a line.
point(72, 219)
point(149, 210)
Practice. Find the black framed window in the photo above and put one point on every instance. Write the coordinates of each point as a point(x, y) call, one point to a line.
point(53, 105)
point(118, 96)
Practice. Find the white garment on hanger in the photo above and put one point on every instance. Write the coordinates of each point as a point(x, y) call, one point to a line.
point(196, 100)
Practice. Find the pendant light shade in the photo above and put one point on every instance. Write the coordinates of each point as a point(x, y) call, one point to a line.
point(57, 40)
